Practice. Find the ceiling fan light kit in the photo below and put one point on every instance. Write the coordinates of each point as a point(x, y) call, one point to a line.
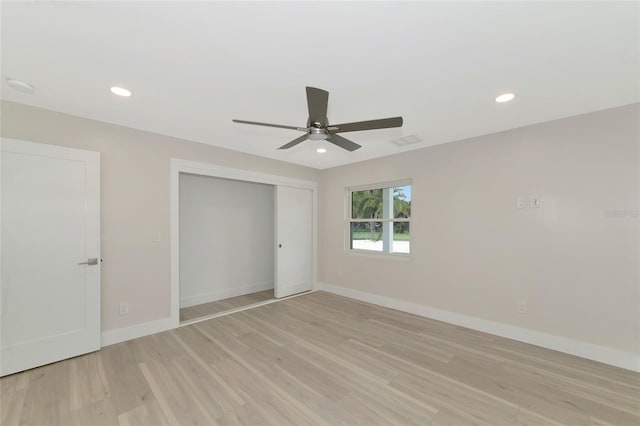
point(318, 127)
point(316, 134)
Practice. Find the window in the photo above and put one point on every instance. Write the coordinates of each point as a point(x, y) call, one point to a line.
point(379, 217)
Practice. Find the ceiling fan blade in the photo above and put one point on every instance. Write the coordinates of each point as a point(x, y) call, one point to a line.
point(383, 123)
point(343, 142)
point(282, 126)
point(294, 142)
point(317, 99)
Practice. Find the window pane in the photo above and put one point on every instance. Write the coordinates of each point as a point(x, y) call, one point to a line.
point(401, 237)
point(370, 236)
point(402, 201)
point(366, 236)
point(366, 204)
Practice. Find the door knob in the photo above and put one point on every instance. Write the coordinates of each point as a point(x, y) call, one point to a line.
point(90, 261)
point(279, 245)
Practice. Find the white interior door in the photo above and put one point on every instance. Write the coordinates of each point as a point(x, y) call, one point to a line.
point(50, 254)
point(294, 239)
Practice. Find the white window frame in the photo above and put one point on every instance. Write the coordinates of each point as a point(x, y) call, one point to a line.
point(388, 236)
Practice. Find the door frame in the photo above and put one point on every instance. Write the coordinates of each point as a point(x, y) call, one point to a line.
point(205, 169)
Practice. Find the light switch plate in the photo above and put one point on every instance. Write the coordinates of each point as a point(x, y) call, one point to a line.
point(535, 202)
point(155, 236)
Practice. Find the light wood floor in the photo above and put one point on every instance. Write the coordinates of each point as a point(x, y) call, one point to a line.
point(210, 308)
point(326, 360)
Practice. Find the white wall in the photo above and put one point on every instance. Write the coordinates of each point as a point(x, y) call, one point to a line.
point(135, 192)
point(226, 238)
point(473, 253)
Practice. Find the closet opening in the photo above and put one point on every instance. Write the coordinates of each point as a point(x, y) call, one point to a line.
point(239, 239)
point(227, 231)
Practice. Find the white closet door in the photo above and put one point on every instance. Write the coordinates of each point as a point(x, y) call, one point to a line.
point(50, 284)
point(294, 239)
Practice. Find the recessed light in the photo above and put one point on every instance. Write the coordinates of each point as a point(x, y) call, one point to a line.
point(19, 85)
point(321, 150)
point(506, 97)
point(121, 91)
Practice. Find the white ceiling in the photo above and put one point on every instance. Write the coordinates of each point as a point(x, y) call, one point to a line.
point(195, 66)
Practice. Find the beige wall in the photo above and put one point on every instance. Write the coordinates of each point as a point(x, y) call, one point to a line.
point(475, 254)
point(135, 200)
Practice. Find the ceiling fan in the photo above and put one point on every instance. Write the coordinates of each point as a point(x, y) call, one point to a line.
point(318, 127)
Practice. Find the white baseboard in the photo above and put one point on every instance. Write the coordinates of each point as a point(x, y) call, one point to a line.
point(199, 299)
point(590, 351)
point(118, 335)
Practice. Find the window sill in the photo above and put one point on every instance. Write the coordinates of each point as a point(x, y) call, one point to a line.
point(379, 255)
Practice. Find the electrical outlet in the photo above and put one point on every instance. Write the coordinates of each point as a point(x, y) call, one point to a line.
point(519, 203)
point(124, 308)
point(521, 306)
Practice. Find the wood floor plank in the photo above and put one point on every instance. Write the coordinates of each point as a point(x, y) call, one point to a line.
point(468, 403)
point(385, 411)
point(204, 347)
point(247, 414)
point(13, 390)
point(295, 404)
point(259, 328)
point(229, 395)
point(163, 403)
point(182, 397)
point(322, 359)
point(87, 381)
point(47, 399)
point(161, 347)
point(99, 413)
point(529, 418)
point(147, 414)
point(127, 386)
point(603, 402)
point(274, 409)
point(368, 385)
point(587, 369)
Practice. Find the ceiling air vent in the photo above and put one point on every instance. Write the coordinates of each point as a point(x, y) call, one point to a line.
point(407, 140)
